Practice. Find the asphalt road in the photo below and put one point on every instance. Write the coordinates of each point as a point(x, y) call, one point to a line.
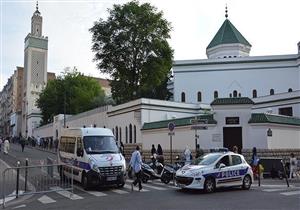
point(273, 194)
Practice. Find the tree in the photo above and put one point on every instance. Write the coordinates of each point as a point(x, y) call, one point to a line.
point(78, 92)
point(131, 46)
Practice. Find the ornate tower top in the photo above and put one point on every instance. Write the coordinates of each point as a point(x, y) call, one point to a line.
point(226, 12)
point(36, 22)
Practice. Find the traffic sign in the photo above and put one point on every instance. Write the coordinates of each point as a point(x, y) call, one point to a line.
point(171, 126)
point(171, 133)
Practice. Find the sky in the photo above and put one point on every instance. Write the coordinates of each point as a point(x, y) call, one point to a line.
point(271, 26)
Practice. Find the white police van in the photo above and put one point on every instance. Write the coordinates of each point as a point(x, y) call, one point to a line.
point(93, 156)
point(215, 170)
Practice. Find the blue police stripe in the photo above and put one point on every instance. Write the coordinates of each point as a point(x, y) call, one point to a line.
point(76, 163)
point(227, 174)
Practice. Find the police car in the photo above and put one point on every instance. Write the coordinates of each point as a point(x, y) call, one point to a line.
point(215, 170)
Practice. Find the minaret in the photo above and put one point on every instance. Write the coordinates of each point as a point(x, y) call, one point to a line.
point(228, 42)
point(35, 73)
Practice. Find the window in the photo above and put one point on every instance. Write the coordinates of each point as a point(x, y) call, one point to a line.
point(290, 90)
point(224, 160)
point(67, 144)
point(182, 97)
point(216, 94)
point(272, 92)
point(230, 95)
point(134, 134)
point(287, 111)
point(254, 93)
point(240, 95)
point(234, 93)
point(236, 160)
point(199, 97)
point(126, 135)
point(120, 134)
point(130, 133)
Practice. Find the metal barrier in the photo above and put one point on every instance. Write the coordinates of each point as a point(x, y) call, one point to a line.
point(28, 180)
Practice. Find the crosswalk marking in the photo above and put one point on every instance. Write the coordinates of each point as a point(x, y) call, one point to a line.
point(165, 185)
point(153, 187)
point(274, 190)
point(96, 193)
point(45, 199)
point(291, 193)
point(66, 193)
point(128, 187)
point(119, 191)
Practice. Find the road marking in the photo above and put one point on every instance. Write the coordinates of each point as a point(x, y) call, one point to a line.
point(45, 199)
point(274, 185)
point(66, 193)
point(94, 193)
point(21, 206)
point(11, 196)
point(274, 190)
point(153, 187)
point(165, 185)
point(119, 191)
point(126, 186)
point(291, 193)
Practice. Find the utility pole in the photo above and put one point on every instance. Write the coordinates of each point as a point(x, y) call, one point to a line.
point(64, 105)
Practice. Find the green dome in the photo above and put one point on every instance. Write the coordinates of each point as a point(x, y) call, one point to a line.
point(228, 34)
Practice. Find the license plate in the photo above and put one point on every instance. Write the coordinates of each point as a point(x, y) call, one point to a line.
point(111, 178)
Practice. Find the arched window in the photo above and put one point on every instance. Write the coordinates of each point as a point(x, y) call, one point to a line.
point(199, 97)
point(290, 90)
point(272, 92)
point(130, 133)
point(234, 93)
point(182, 97)
point(240, 95)
point(230, 95)
point(126, 134)
point(216, 94)
point(134, 134)
point(117, 136)
point(254, 93)
point(120, 134)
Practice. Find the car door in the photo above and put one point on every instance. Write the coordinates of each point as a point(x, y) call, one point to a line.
point(223, 167)
point(238, 170)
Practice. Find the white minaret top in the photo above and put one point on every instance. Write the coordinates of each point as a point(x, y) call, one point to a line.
point(36, 22)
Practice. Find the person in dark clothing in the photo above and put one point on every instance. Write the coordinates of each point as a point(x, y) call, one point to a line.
point(254, 162)
point(199, 152)
point(122, 148)
point(153, 150)
point(160, 156)
point(22, 142)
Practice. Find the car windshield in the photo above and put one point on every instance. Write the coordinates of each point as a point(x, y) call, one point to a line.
point(206, 159)
point(100, 144)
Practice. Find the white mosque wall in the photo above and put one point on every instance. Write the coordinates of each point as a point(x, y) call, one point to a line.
point(284, 138)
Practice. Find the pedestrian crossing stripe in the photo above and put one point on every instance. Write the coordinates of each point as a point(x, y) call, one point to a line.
point(274, 190)
point(154, 187)
point(66, 193)
point(291, 193)
point(119, 191)
point(128, 187)
point(45, 199)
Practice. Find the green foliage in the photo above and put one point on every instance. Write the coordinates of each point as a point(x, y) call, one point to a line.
point(78, 92)
point(131, 46)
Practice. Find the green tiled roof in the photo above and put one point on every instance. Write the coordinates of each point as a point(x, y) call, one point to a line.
point(230, 101)
point(277, 119)
point(178, 122)
point(227, 34)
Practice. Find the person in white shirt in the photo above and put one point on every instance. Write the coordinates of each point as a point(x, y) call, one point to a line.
point(136, 164)
point(293, 165)
point(187, 155)
point(6, 146)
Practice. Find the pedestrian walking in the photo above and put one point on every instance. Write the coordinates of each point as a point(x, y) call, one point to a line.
point(293, 165)
point(160, 154)
point(6, 147)
point(22, 142)
point(136, 164)
point(254, 162)
point(187, 155)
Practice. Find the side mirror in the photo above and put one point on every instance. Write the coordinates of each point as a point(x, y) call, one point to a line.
point(222, 165)
point(79, 152)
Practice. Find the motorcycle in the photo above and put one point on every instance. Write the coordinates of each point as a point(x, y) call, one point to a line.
point(147, 173)
point(155, 165)
point(169, 171)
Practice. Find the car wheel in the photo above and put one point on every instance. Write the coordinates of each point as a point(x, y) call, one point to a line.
point(85, 182)
point(209, 185)
point(247, 182)
point(165, 179)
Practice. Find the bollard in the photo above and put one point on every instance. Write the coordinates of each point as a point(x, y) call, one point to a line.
point(26, 173)
point(18, 174)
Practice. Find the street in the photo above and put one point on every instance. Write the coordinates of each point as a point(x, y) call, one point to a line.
point(272, 194)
